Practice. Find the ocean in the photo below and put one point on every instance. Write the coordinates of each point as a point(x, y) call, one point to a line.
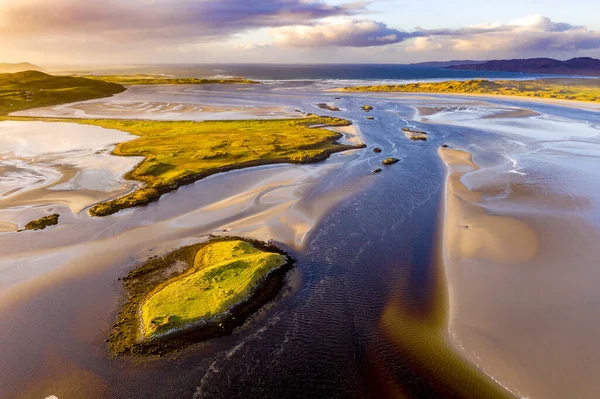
point(285, 72)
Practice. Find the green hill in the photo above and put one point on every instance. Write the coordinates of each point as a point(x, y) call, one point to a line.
point(560, 89)
point(32, 89)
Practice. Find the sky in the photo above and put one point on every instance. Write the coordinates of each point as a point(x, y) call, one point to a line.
point(294, 31)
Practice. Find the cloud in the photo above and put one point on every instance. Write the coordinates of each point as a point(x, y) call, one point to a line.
point(424, 44)
point(129, 20)
point(531, 34)
point(348, 33)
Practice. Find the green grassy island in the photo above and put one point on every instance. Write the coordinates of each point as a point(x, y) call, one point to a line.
point(224, 273)
point(560, 89)
point(32, 89)
point(42, 223)
point(196, 293)
point(143, 79)
point(179, 153)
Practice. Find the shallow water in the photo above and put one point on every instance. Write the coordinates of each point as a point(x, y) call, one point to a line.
point(364, 312)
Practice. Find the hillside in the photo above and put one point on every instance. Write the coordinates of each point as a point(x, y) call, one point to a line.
point(584, 66)
point(559, 89)
point(32, 89)
point(18, 67)
point(445, 64)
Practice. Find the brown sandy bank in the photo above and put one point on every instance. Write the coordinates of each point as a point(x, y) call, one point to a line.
point(522, 285)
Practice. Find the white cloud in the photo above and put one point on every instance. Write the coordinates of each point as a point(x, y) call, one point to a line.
point(346, 33)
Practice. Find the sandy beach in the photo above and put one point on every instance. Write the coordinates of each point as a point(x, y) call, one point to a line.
point(494, 256)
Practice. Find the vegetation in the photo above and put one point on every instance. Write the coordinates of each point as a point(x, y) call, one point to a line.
point(143, 79)
point(32, 89)
point(563, 89)
point(414, 135)
point(178, 153)
point(224, 274)
point(220, 283)
point(42, 223)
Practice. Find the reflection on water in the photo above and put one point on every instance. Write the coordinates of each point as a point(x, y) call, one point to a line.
point(365, 312)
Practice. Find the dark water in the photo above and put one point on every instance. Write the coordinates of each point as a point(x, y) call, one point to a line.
point(315, 72)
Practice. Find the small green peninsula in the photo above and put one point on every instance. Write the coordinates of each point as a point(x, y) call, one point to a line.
point(33, 89)
point(143, 79)
point(196, 293)
point(178, 153)
point(559, 89)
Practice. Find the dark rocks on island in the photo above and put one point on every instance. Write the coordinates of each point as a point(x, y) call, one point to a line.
point(367, 108)
point(445, 146)
point(390, 161)
point(370, 118)
point(378, 170)
point(377, 150)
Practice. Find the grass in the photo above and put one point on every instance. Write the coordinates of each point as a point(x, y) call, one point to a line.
point(143, 79)
point(42, 223)
point(158, 272)
point(224, 274)
point(178, 153)
point(31, 89)
point(560, 89)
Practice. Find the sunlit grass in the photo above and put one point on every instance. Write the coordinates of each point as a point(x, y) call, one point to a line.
point(143, 79)
point(561, 89)
point(178, 153)
point(31, 89)
point(224, 274)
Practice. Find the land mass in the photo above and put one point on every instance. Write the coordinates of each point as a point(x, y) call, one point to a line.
point(444, 64)
point(32, 89)
point(196, 293)
point(143, 79)
point(583, 66)
point(18, 67)
point(561, 89)
point(177, 153)
point(42, 223)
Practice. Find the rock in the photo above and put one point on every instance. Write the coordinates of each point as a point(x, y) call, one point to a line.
point(414, 134)
point(370, 118)
point(390, 161)
point(377, 150)
point(367, 108)
point(378, 170)
point(445, 146)
point(328, 107)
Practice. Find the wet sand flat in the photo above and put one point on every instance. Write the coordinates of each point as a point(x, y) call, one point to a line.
point(522, 301)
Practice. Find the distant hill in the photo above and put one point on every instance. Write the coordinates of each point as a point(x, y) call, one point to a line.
point(445, 64)
point(584, 66)
point(19, 67)
point(31, 89)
